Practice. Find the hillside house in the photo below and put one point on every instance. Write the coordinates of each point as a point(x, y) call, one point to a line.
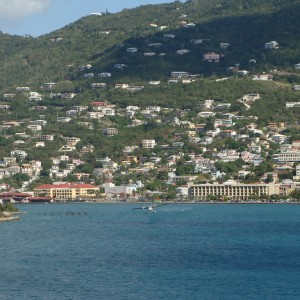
point(121, 86)
point(35, 96)
point(4, 107)
point(153, 108)
point(296, 87)
point(264, 77)
point(18, 153)
point(23, 89)
point(250, 97)
point(94, 115)
point(104, 75)
point(119, 66)
point(271, 45)
point(153, 82)
point(208, 103)
point(206, 114)
point(211, 57)
point(98, 85)
point(169, 36)
point(179, 74)
point(49, 85)
point(182, 51)
point(190, 25)
point(148, 144)
point(224, 45)
point(63, 119)
point(72, 141)
point(110, 131)
point(132, 50)
point(149, 54)
point(34, 128)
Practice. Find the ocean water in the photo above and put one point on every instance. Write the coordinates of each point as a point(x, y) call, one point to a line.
point(188, 251)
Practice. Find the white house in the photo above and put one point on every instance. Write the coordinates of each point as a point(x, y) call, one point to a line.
point(148, 144)
point(297, 66)
point(264, 77)
point(206, 114)
point(179, 74)
point(104, 75)
point(132, 50)
point(153, 108)
point(251, 97)
point(211, 57)
point(18, 153)
point(271, 45)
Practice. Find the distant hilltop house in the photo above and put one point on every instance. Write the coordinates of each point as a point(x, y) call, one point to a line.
point(251, 97)
point(296, 87)
point(297, 66)
point(99, 85)
point(96, 14)
point(169, 35)
point(182, 51)
point(211, 57)
point(49, 85)
point(149, 54)
point(23, 89)
point(179, 74)
point(104, 75)
point(132, 50)
point(224, 45)
point(271, 45)
point(292, 104)
point(206, 114)
point(35, 96)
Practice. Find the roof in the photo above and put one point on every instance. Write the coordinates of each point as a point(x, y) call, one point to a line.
point(65, 186)
point(11, 194)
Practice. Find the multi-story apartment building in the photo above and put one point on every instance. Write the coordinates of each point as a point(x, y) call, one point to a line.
point(287, 156)
point(148, 144)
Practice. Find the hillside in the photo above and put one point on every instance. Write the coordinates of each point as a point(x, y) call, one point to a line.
point(67, 93)
point(102, 40)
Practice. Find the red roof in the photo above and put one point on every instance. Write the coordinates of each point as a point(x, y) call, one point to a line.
point(65, 186)
point(15, 195)
point(98, 103)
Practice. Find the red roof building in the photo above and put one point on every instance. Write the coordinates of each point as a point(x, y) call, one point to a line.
point(66, 191)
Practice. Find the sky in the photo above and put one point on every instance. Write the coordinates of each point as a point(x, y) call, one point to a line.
point(38, 17)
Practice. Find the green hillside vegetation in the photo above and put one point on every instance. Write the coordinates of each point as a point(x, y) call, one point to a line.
point(246, 25)
point(101, 42)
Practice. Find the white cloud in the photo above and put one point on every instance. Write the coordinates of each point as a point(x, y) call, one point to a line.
point(17, 9)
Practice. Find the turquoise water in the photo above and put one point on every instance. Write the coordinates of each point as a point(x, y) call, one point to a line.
point(110, 251)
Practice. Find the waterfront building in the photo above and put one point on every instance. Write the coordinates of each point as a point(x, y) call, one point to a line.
point(231, 190)
point(66, 191)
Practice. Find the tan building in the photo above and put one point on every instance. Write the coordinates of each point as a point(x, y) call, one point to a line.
point(232, 190)
point(66, 191)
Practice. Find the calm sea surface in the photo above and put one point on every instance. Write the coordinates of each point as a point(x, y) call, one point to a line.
point(110, 251)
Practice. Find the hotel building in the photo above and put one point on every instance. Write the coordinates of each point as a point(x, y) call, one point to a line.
point(231, 190)
point(66, 191)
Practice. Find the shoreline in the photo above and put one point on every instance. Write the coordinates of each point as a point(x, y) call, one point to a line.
point(164, 202)
point(9, 219)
